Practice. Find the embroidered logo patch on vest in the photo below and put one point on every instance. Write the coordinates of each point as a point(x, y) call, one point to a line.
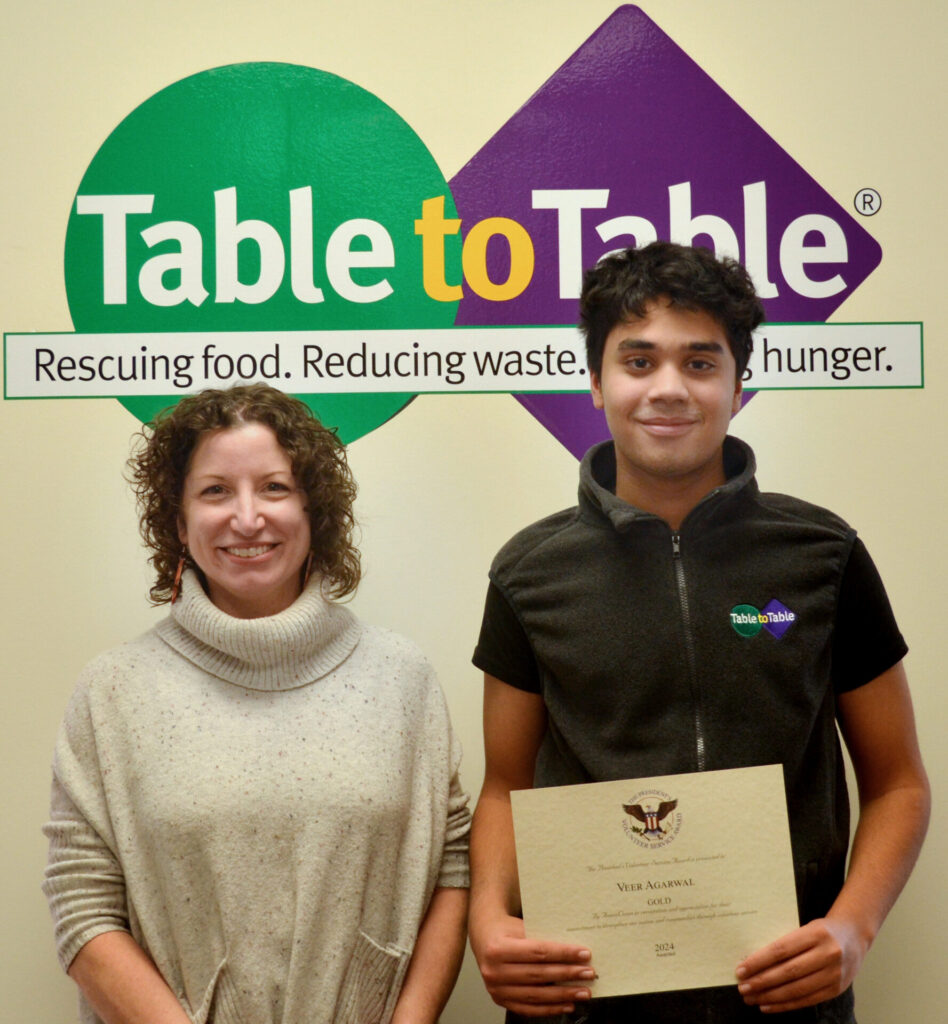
point(775, 617)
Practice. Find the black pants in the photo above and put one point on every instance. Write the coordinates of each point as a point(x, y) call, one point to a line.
point(695, 1006)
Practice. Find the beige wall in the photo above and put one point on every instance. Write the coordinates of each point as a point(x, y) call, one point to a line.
point(854, 91)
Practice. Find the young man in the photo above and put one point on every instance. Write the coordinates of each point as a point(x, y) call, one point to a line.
point(610, 649)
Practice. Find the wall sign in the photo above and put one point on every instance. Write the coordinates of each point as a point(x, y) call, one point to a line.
point(276, 222)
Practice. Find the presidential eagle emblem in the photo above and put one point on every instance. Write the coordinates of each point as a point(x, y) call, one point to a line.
point(657, 812)
point(651, 819)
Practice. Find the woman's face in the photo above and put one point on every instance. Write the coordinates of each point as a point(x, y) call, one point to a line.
point(244, 520)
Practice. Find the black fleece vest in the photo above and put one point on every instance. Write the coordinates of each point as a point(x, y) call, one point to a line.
point(644, 670)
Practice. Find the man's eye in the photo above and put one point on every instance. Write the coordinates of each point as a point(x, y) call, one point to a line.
point(638, 363)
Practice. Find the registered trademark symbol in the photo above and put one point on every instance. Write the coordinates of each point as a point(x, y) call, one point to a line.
point(868, 202)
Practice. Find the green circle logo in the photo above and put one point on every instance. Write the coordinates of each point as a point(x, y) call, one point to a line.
point(258, 197)
point(745, 619)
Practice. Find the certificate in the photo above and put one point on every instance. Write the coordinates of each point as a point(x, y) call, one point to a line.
point(670, 881)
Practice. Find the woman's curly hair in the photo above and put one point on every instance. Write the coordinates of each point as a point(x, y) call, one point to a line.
point(162, 456)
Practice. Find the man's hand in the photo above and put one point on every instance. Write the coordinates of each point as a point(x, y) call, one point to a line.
point(530, 977)
point(805, 967)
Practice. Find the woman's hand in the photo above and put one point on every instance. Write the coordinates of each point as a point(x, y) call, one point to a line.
point(122, 984)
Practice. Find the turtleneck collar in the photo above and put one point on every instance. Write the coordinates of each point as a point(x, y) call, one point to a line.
point(278, 652)
point(597, 483)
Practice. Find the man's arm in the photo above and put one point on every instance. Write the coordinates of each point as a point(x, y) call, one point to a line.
point(820, 960)
point(530, 977)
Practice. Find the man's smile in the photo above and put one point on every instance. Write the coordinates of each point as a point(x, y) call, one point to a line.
point(667, 426)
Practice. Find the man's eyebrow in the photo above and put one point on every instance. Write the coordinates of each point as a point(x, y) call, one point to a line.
point(634, 343)
point(640, 345)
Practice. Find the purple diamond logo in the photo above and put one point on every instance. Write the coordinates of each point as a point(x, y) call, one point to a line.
point(631, 141)
point(777, 618)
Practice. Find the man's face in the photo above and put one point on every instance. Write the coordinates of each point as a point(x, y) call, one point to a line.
point(669, 389)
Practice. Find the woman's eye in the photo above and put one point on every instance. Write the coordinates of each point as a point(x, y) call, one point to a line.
point(213, 491)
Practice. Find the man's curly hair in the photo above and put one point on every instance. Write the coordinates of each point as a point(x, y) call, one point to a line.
point(162, 456)
point(621, 286)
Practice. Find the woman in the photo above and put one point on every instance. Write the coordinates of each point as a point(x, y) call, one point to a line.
point(256, 813)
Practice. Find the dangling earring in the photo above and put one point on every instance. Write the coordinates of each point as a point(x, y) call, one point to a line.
point(309, 569)
point(176, 586)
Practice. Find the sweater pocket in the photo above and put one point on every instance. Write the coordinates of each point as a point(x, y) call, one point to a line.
point(371, 984)
point(220, 1002)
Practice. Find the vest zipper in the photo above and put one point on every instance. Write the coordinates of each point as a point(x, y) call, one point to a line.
point(689, 649)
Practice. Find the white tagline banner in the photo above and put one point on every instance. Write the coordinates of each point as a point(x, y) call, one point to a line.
point(453, 359)
point(886, 355)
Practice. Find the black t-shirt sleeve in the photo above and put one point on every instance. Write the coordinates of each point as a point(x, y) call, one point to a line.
point(866, 638)
point(503, 649)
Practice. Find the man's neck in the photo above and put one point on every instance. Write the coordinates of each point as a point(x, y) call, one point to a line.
point(672, 497)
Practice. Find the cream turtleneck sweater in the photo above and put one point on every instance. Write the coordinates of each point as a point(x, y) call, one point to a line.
point(265, 804)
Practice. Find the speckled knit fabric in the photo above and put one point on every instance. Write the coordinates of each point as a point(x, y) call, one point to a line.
point(265, 804)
